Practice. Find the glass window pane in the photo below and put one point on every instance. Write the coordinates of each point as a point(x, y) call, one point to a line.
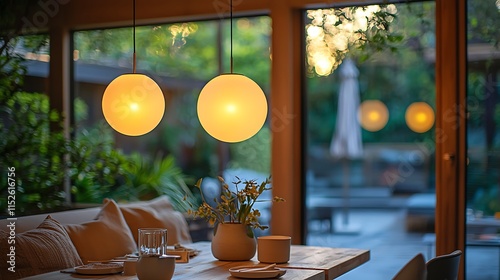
point(370, 95)
point(483, 140)
point(27, 143)
point(181, 57)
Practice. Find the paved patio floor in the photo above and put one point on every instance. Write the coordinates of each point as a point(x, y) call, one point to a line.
point(384, 233)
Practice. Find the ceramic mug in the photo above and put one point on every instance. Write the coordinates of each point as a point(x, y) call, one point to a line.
point(273, 248)
point(155, 267)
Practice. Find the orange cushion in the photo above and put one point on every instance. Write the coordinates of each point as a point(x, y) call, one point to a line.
point(157, 213)
point(44, 249)
point(105, 238)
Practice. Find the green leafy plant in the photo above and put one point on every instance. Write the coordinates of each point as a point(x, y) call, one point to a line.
point(36, 152)
point(97, 168)
point(147, 178)
point(336, 33)
point(32, 140)
point(235, 206)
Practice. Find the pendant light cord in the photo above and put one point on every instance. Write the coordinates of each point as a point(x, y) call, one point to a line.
point(134, 63)
point(231, 33)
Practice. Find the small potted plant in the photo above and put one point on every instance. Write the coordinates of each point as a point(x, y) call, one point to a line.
point(234, 218)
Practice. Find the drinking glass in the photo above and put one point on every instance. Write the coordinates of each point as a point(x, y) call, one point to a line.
point(152, 242)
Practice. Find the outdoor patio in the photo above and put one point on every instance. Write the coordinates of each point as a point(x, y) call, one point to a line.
point(384, 233)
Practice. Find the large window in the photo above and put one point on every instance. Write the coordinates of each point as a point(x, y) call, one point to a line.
point(181, 58)
point(370, 103)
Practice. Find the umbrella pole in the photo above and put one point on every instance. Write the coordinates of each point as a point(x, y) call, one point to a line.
point(345, 227)
point(345, 191)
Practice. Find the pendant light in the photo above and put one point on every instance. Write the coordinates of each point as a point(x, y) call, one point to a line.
point(231, 107)
point(133, 104)
point(419, 117)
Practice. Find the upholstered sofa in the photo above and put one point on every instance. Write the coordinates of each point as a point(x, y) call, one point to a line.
point(47, 242)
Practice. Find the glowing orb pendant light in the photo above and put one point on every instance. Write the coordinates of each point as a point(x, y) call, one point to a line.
point(373, 115)
point(133, 104)
point(232, 107)
point(419, 117)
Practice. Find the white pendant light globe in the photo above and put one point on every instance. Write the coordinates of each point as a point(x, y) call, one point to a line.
point(133, 104)
point(232, 108)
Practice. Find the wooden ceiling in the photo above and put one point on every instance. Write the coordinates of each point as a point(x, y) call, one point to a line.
point(88, 14)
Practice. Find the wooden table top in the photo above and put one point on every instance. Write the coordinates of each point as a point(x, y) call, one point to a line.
point(306, 263)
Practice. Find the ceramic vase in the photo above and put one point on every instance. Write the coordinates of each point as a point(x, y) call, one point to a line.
point(231, 243)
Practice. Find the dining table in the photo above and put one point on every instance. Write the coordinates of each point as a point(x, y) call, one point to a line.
point(306, 263)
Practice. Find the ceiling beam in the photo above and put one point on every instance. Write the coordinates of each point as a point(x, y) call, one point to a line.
point(89, 14)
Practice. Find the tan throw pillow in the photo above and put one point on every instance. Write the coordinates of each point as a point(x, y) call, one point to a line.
point(157, 213)
point(44, 249)
point(160, 203)
point(105, 238)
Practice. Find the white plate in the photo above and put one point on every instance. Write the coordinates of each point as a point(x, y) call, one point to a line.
point(99, 268)
point(258, 274)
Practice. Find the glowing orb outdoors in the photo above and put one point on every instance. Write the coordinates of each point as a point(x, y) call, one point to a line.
point(232, 108)
point(133, 104)
point(419, 117)
point(373, 115)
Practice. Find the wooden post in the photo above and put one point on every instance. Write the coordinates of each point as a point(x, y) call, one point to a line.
point(59, 82)
point(285, 120)
point(450, 127)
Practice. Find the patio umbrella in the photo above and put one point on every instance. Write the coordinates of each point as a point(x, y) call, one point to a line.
point(346, 142)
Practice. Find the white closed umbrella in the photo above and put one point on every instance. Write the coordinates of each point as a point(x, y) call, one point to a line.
point(346, 142)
